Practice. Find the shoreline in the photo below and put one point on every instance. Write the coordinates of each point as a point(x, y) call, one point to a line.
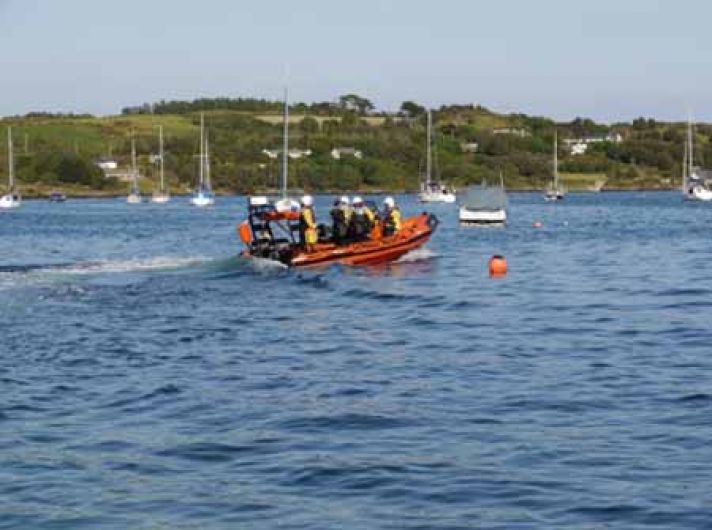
point(114, 195)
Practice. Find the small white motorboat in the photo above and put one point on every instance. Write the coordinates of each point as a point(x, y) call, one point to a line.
point(484, 205)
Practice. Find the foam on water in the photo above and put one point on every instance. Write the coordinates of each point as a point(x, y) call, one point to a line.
point(418, 254)
point(131, 265)
point(28, 275)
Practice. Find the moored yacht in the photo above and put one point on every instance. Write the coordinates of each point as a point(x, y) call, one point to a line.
point(433, 191)
point(134, 196)
point(12, 198)
point(160, 195)
point(203, 195)
point(555, 191)
point(696, 182)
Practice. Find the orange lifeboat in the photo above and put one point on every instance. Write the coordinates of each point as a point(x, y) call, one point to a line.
point(273, 238)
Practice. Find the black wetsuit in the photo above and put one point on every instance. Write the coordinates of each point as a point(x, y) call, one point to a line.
point(360, 225)
point(340, 225)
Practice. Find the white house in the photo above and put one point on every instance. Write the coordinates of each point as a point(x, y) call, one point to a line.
point(338, 152)
point(469, 147)
point(579, 146)
point(522, 133)
point(107, 164)
point(299, 153)
point(292, 153)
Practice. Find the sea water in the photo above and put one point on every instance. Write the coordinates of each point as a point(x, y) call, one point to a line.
point(151, 378)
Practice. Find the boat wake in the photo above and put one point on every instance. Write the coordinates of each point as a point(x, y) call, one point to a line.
point(133, 265)
point(33, 274)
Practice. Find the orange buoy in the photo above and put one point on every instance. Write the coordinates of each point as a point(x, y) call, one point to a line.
point(538, 224)
point(497, 265)
point(243, 230)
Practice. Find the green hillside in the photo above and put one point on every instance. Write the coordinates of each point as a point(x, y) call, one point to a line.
point(60, 151)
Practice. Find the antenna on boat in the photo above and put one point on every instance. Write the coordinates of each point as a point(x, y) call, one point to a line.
point(285, 144)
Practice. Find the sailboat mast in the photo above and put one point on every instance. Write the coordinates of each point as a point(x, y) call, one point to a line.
point(429, 156)
point(207, 162)
point(10, 160)
point(556, 159)
point(690, 148)
point(684, 170)
point(202, 154)
point(160, 154)
point(133, 157)
point(285, 145)
point(134, 169)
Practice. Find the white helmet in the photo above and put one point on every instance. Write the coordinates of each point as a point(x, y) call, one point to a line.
point(307, 200)
point(344, 199)
point(357, 200)
point(388, 201)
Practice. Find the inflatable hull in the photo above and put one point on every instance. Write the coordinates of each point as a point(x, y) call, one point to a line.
point(414, 233)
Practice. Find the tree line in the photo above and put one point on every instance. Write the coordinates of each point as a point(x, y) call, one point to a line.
point(393, 149)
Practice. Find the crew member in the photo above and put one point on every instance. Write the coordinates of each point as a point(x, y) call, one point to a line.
point(391, 217)
point(340, 216)
point(307, 224)
point(362, 219)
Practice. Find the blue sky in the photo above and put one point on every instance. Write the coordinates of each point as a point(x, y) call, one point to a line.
point(607, 59)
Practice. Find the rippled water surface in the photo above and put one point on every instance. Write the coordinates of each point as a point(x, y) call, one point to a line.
point(149, 378)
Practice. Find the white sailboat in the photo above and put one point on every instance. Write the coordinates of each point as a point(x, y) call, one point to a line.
point(161, 195)
point(134, 196)
point(284, 203)
point(203, 196)
point(431, 191)
point(555, 191)
point(12, 198)
point(695, 184)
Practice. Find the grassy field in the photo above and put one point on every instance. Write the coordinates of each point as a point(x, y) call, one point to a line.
point(583, 181)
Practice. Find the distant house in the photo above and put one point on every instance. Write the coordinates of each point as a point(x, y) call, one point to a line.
point(299, 153)
point(107, 164)
point(579, 146)
point(110, 167)
point(338, 152)
point(293, 153)
point(469, 147)
point(522, 133)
